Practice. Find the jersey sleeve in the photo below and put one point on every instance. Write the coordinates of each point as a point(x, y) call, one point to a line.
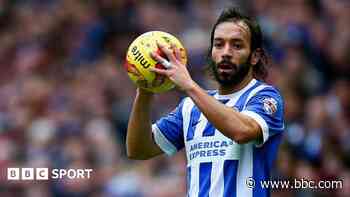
point(266, 108)
point(168, 131)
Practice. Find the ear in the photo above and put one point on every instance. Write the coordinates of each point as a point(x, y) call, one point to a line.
point(255, 56)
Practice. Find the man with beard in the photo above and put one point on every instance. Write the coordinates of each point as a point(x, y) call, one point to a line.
point(231, 135)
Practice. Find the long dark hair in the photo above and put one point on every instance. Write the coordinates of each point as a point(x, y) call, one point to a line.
point(233, 15)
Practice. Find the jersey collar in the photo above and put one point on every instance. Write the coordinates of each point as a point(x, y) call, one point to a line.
point(232, 95)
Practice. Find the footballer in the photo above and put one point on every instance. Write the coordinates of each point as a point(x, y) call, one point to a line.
point(230, 135)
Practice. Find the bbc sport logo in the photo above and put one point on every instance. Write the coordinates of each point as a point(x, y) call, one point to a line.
point(46, 174)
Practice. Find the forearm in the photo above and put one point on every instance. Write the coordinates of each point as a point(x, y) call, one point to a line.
point(229, 122)
point(139, 140)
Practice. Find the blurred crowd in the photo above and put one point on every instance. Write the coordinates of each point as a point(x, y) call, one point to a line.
point(65, 97)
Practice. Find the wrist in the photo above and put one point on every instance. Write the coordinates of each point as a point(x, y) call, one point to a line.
point(192, 88)
point(144, 94)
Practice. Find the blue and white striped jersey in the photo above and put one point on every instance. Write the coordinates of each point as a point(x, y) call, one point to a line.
point(216, 165)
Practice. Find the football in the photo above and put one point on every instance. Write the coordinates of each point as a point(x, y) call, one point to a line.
point(138, 60)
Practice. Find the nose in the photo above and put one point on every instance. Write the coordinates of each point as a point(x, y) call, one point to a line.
point(227, 51)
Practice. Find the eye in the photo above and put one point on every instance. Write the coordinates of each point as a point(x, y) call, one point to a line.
point(218, 44)
point(237, 46)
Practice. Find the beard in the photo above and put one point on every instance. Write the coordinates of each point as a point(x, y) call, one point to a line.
point(231, 77)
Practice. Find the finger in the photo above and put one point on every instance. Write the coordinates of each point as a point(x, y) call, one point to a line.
point(167, 51)
point(156, 57)
point(177, 54)
point(161, 60)
point(159, 71)
point(167, 64)
point(176, 51)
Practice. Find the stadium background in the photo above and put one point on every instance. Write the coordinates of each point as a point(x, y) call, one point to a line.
point(65, 98)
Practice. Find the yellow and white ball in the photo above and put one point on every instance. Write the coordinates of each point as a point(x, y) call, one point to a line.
point(138, 60)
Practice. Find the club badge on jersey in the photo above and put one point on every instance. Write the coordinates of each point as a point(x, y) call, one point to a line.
point(270, 105)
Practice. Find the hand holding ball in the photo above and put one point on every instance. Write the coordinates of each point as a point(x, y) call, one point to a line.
point(139, 61)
